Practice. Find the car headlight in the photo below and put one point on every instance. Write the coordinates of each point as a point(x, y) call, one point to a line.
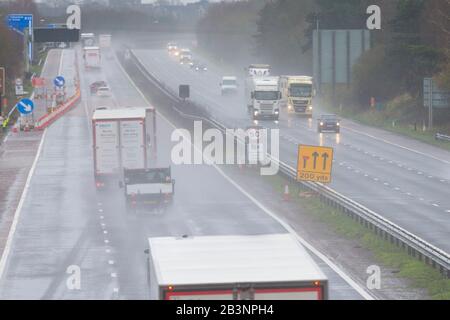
point(277, 111)
point(256, 112)
point(310, 107)
point(338, 124)
point(321, 124)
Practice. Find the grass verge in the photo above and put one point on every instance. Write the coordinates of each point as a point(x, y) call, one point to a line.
point(418, 273)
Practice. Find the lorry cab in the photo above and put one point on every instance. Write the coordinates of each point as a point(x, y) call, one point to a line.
point(298, 93)
point(264, 97)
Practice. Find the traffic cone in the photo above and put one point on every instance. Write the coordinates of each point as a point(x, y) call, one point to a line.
point(286, 195)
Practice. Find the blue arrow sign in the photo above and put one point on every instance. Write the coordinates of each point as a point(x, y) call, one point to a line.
point(59, 81)
point(25, 106)
point(19, 22)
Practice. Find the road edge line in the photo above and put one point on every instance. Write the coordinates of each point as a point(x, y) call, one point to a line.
point(12, 230)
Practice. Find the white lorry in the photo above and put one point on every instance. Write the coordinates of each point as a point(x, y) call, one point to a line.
point(123, 139)
point(92, 57)
point(104, 41)
point(263, 97)
point(298, 93)
point(263, 267)
point(87, 39)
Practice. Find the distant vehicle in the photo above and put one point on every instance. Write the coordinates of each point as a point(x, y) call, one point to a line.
point(298, 93)
point(148, 188)
point(103, 92)
point(228, 84)
point(123, 139)
point(186, 61)
point(172, 47)
point(329, 123)
point(95, 85)
point(98, 84)
point(185, 54)
point(259, 70)
point(92, 57)
point(233, 268)
point(263, 97)
point(198, 66)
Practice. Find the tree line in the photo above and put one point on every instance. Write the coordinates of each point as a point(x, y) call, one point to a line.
point(412, 44)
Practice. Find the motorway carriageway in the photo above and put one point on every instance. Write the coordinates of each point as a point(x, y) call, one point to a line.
point(405, 181)
point(64, 223)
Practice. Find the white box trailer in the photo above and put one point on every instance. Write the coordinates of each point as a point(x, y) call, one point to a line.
point(104, 40)
point(123, 139)
point(264, 267)
point(92, 57)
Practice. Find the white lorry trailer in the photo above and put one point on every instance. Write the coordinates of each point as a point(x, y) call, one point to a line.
point(263, 97)
point(123, 139)
point(264, 267)
point(92, 57)
point(298, 93)
point(104, 41)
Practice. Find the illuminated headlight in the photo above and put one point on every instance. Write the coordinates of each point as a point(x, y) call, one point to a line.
point(321, 124)
point(277, 112)
point(256, 113)
point(338, 124)
point(310, 107)
point(290, 107)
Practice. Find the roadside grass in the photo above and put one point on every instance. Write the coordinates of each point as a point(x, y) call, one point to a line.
point(418, 273)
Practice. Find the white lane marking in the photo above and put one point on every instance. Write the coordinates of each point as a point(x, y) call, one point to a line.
point(105, 232)
point(116, 290)
point(111, 262)
point(448, 211)
point(321, 256)
point(113, 275)
point(435, 205)
point(397, 189)
point(398, 146)
point(106, 241)
point(12, 230)
point(102, 217)
point(108, 250)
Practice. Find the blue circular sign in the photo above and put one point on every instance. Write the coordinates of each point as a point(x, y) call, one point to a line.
point(25, 106)
point(59, 81)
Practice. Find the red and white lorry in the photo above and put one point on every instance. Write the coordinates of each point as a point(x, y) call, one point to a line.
point(263, 267)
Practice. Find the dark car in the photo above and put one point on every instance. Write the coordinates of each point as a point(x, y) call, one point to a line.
point(96, 85)
point(329, 123)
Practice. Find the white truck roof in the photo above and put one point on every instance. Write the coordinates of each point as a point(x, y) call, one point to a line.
point(116, 114)
point(266, 81)
point(231, 260)
point(91, 48)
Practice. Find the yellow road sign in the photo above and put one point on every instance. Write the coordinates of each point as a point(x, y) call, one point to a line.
point(314, 164)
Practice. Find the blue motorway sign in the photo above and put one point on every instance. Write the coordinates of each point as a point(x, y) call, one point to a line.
point(59, 81)
point(25, 106)
point(19, 22)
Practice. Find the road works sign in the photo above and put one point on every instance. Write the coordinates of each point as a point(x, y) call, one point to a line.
point(314, 164)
